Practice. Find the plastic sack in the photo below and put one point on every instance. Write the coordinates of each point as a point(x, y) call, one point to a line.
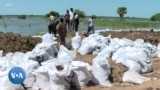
point(59, 76)
point(134, 77)
point(85, 49)
point(5, 84)
point(80, 77)
point(101, 71)
point(42, 77)
point(106, 52)
point(66, 56)
point(49, 38)
point(76, 41)
point(1, 53)
point(47, 47)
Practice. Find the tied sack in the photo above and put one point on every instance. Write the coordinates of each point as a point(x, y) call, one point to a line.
point(66, 56)
point(80, 76)
point(101, 71)
point(59, 75)
point(76, 41)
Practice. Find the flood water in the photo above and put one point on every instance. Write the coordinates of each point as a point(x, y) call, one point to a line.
point(30, 25)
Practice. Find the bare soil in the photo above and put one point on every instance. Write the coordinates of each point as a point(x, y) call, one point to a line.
point(10, 42)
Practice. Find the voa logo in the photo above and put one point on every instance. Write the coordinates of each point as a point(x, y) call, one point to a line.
point(17, 75)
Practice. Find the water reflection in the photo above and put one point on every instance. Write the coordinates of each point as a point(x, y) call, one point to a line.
point(29, 26)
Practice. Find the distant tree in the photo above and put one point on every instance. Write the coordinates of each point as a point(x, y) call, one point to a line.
point(155, 17)
point(121, 12)
point(80, 13)
point(94, 16)
point(21, 16)
point(54, 13)
point(0, 16)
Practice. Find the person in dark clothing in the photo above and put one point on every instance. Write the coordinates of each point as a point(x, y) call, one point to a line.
point(62, 31)
point(52, 28)
point(67, 16)
point(76, 21)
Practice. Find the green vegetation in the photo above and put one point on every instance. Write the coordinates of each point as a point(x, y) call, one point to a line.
point(21, 16)
point(94, 16)
point(121, 12)
point(128, 23)
point(155, 17)
point(80, 13)
point(54, 13)
point(0, 16)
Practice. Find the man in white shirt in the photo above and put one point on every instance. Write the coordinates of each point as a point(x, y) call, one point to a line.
point(71, 19)
point(90, 25)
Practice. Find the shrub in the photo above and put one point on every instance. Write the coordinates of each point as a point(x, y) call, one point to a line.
point(54, 13)
point(155, 17)
point(0, 16)
point(21, 16)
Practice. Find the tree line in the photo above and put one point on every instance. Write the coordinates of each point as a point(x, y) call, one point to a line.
point(121, 11)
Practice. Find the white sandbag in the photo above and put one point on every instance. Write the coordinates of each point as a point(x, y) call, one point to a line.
point(132, 65)
point(88, 44)
point(145, 61)
point(118, 53)
point(101, 71)
point(49, 62)
point(76, 41)
point(29, 66)
point(49, 38)
point(106, 52)
point(18, 58)
point(42, 77)
point(5, 84)
point(59, 76)
point(140, 57)
point(138, 42)
point(158, 50)
point(134, 77)
point(99, 47)
point(1, 53)
point(47, 47)
point(85, 49)
point(66, 56)
point(80, 77)
point(125, 42)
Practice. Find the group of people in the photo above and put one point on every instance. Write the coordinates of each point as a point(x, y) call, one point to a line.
point(70, 22)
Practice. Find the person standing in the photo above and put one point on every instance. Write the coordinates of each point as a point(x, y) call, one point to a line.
point(52, 25)
point(52, 19)
point(90, 26)
point(67, 17)
point(76, 21)
point(71, 19)
point(62, 31)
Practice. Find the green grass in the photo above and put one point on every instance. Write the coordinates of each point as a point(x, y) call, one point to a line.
point(128, 23)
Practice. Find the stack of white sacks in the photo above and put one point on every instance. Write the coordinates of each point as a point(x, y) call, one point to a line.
point(136, 55)
point(45, 71)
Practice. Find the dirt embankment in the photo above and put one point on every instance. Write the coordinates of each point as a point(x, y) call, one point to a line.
point(10, 42)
